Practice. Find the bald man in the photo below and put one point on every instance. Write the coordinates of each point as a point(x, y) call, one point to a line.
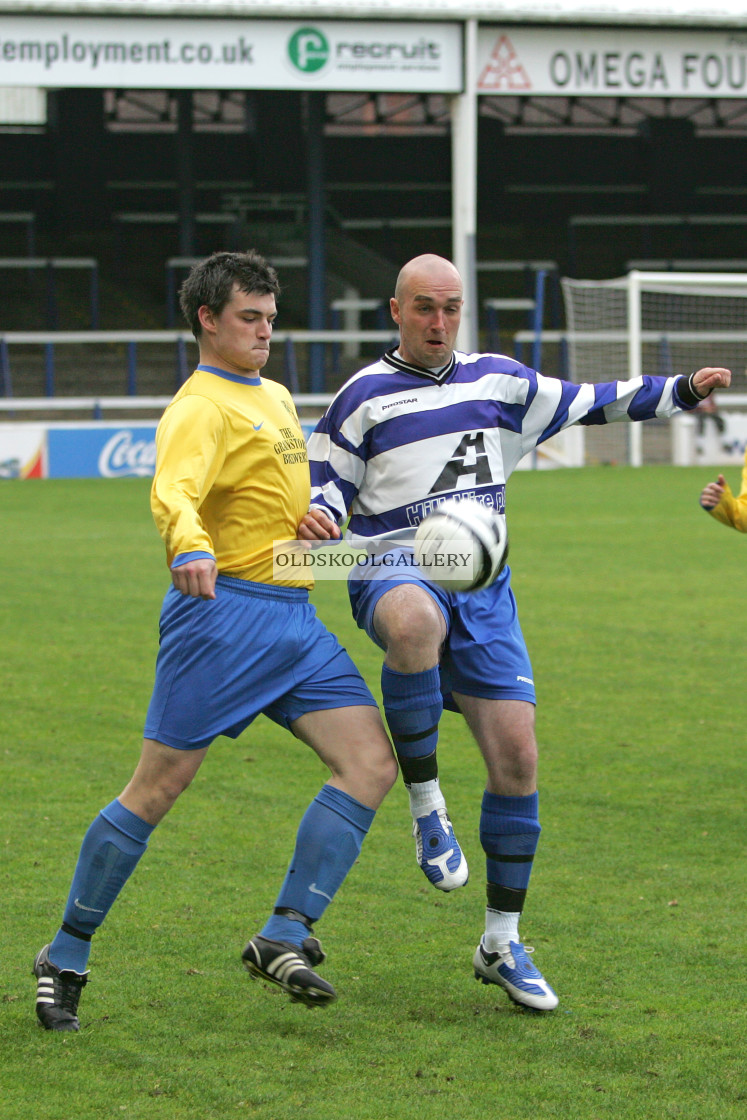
point(422, 425)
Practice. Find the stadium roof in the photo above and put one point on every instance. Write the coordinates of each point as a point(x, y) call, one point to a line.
point(663, 13)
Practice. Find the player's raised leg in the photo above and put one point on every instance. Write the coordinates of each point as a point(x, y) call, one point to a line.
point(410, 625)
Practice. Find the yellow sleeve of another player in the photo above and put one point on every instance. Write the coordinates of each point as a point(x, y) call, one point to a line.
point(190, 452)
point(732, 510)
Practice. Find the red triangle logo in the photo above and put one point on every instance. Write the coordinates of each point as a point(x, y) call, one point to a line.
point(503, 70)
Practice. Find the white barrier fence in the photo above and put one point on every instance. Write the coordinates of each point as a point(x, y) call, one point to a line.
point(48, 344)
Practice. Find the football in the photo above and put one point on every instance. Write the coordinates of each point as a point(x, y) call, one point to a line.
point(462, 545)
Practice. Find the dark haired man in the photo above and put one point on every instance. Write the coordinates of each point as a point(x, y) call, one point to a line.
point(233, 644)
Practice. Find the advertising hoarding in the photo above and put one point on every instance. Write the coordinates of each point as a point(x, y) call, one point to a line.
point(611, 62)
point(83, 52)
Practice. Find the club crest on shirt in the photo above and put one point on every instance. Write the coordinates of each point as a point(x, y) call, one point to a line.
point(470, 457)
point(292, 413)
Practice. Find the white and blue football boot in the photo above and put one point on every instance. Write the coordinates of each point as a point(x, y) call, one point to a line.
point(438, 852)
point(513, 970)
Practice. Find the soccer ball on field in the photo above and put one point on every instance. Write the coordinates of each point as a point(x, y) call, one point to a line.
point(462, 545)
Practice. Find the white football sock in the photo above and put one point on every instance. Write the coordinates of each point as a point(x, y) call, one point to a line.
point(500, 928)
point(425, 797)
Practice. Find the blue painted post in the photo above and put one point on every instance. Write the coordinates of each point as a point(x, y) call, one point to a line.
point(538, 313)
point(290, 367)
point(335, 317)
point(182, 371)
point(316, 102)
point(185, 176)
point(49, 369)
point(132, 369)
point(5, 379)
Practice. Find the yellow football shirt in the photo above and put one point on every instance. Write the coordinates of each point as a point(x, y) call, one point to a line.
point(231, 473)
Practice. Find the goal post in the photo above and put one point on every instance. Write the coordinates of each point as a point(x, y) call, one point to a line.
point(652, 323)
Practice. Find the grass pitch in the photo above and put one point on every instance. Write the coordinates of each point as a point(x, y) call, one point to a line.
point(631, 600)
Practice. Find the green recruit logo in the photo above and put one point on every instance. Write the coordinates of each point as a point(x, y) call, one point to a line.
point(308, 50)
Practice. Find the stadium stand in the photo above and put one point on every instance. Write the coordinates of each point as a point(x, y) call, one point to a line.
point(693, 232)
point(25, 218)
point(50, 266)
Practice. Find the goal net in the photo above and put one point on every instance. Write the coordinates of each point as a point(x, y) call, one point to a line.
point(661, 323)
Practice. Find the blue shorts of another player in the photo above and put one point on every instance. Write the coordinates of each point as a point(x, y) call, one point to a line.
point(254, 648)
point(484, 653)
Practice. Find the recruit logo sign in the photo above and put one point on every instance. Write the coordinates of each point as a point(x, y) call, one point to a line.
point(308, 50)
point(377, 55)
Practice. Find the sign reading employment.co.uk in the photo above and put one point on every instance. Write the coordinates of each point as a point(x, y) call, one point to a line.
point(230, 54)
point(591, 62)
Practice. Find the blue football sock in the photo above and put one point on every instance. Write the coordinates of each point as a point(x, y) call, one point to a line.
point(509, 834)
point(413, 705)
point(109, 854)
point(327, 845)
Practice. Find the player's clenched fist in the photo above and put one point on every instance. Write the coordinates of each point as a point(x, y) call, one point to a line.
point(713, 493)
point(196, 578)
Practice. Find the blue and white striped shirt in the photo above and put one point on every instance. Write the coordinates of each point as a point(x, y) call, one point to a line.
point(398, 440)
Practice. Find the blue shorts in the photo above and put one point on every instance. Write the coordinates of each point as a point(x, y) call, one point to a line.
point(484, 653)
point(254, 648)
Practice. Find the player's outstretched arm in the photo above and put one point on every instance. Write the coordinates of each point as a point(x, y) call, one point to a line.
point(317, 526)
point(710, 378)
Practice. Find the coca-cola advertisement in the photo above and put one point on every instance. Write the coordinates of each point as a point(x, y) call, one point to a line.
point(124, 451)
